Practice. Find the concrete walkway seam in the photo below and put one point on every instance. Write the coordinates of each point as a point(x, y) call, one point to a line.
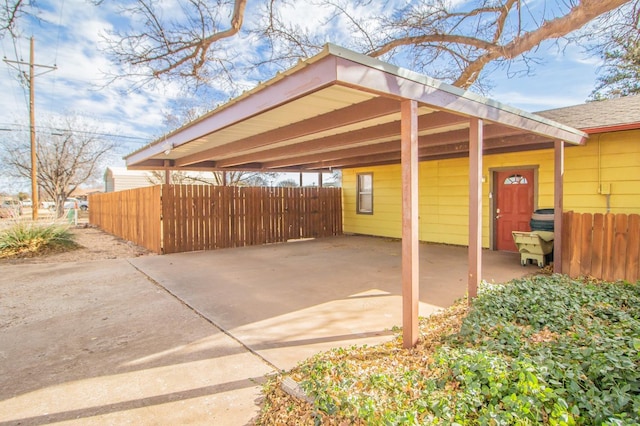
point(204, 317)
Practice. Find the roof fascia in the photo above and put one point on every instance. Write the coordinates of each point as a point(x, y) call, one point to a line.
point(614, 128)
point(388, 79)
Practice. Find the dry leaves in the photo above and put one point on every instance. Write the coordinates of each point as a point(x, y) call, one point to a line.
point(280, 408)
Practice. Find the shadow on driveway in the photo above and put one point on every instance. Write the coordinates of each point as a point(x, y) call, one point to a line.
point(289, 301)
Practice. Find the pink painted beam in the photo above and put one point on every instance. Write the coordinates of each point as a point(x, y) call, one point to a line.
point(410, 247)
point(558, 204)
point(475, 207)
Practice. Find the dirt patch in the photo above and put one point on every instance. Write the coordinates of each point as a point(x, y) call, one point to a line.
point(94, 243)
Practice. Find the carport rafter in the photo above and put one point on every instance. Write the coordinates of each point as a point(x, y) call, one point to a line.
point(369, 140)
point(374, 108)
point(234, 155)
point(382, 153)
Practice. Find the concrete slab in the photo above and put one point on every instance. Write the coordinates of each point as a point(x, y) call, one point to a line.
point(289, 301)
point(98, 343)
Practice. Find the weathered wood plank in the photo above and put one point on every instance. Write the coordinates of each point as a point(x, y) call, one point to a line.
point(633, 249)
point(586, 248)
point(620, 247)
point(607, 252)
point(597, 245)
point(567, 219)
point(576, 245)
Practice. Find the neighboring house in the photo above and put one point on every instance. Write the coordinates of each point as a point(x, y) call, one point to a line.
point(601, 176)
point(119, 179)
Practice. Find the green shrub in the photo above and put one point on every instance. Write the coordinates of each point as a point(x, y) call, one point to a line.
point(580, 340)
point(541, 350)
point(28, 239)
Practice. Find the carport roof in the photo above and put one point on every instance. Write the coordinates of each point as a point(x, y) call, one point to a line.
point(341, 109)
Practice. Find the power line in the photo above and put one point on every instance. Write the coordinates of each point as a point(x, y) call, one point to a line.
point(11, 77)
point(54, 86)
point(20, 72)
point(57, 131)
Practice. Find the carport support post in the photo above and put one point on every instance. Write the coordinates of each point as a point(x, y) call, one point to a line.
point(475, 207)
point(558, 205)
point(410, 247)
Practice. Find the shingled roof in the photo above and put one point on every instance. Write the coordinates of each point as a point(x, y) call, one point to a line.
point(593, 117)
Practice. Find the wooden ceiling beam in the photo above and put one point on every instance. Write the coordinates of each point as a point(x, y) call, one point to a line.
point(150, 164)
point(433, 121)
point(392, 157)
point(434, 140)
point(334, 155)
point(428, 152)
point(203, 168)
point(367, 110)
point(316, 145)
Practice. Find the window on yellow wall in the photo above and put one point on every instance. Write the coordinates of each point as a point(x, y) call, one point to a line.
point(365, 193)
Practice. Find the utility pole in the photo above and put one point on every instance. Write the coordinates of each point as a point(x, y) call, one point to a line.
point(32, 122)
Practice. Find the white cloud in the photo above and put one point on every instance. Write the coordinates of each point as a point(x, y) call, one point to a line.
point(70, 38)
point(533, 102)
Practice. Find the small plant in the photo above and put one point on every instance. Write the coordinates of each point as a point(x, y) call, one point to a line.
point(28, 239)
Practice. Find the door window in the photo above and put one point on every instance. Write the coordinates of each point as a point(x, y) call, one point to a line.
point(516, 180)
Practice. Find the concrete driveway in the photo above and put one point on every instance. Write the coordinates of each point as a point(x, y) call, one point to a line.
point(188, 338)
point(98, 343)
point(286, 302)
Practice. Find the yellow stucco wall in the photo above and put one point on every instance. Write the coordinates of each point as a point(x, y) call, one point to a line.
point(610, 161)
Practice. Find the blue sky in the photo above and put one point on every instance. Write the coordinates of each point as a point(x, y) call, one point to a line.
point(69, 35)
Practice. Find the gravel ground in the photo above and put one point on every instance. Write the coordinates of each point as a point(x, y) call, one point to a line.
point(95, 245)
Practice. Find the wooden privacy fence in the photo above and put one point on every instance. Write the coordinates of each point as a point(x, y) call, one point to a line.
point(133, 215)
point(205, 217)
point(603, 246)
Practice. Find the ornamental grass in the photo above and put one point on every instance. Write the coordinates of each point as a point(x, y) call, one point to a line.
point(26, 239)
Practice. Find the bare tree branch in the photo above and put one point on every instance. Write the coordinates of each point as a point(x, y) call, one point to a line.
point(580, 15)
point(10, 12)
point(434, 38)
point(164, 47)
point(439, 37)
point(65, 160)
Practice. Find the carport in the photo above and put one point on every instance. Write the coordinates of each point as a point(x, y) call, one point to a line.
point(340, 109)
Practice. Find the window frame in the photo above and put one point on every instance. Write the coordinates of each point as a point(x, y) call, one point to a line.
point(359, 193)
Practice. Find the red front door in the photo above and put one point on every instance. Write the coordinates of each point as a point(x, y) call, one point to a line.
point(514, 205)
